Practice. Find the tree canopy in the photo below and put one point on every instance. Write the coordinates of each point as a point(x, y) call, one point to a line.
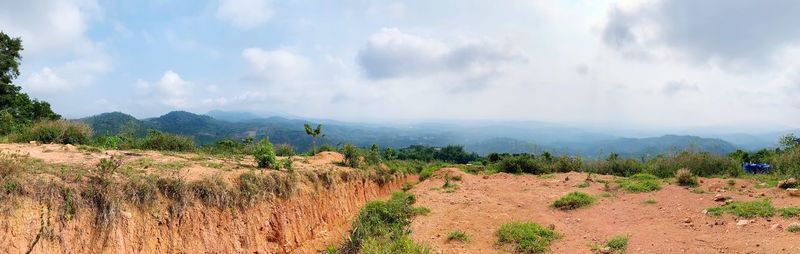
point(17, 108)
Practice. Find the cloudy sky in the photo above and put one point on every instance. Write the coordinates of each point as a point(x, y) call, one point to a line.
point(654, 63)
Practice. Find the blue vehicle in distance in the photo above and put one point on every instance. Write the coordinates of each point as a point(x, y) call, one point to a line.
point(757, 168)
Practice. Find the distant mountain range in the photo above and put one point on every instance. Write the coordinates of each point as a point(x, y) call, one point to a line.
point(478, 136)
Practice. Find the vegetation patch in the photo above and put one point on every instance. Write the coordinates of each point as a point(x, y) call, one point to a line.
point(640, 183)
point(458, 236)
point(382, 227)
point(684, 177)
point(698, 191)
point(750, 209)
point(650, 201)
point(789, 212)
point(526, 237)
point(573, 200)
point(616, 244)
point(794, 228)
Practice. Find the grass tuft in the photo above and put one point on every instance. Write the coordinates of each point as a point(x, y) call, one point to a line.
point(526, 237)
point(751, 209)
point(573, 200)
point(640, 183)
point(457, 235)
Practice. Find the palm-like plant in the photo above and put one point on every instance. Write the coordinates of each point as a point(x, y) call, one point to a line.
point(314, 133)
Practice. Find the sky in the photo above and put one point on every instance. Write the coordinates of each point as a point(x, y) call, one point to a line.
point(637, 63)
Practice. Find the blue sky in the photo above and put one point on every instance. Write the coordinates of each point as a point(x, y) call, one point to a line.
point(650, 63)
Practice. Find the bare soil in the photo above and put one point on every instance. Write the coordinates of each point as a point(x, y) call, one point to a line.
point(675, 224)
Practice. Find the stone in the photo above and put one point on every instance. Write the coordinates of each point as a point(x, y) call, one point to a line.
point(687, 220)
point(788, 183)
point(742, 222)
point(719, 197)
point(775, 227)
point(126, 214)
point(793, 192)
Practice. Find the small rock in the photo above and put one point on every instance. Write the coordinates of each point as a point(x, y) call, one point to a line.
point(793, 192)
point(605, 250)
point(705, 211)
point(687, 220)
point(485, 177)
point(750, 195)
point(742, 222)
point(719, 197)
point(762, 194)
point(775, 227)
point(788, 183)
point(719, 222)
point(126, 214)
point(33, 142)
point(551, 227)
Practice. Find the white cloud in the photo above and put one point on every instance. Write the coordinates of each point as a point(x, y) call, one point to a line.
point(56, 30)
point(276, 66)
point(245, 14)
point(170, 90)
point(390, 53)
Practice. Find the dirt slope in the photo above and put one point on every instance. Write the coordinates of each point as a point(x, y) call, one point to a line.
point(317, 215)
point(482, 203)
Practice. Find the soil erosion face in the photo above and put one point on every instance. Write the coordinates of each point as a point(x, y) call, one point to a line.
point(316, 214)
point(674, 224)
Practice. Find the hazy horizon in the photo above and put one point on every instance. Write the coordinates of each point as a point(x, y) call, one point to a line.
point(639, 65)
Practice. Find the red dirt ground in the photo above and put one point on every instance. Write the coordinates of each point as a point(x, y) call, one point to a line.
point(482, 203)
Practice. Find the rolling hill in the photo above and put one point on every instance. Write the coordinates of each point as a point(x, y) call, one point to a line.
point(480, 137)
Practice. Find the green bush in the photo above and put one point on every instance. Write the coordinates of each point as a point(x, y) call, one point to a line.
point(640, 183)
point(787, 163)
point(750, 209)
point(284, 150)
point(700, 163)
point(352, 156)
point(382, 227)
point(156, 140)
point(517, 164)
point(614, 165)
point(685, 177)
point(264, 155)
point(58, 132)
point(526, 237)
point(573, 200)
point(794, 228)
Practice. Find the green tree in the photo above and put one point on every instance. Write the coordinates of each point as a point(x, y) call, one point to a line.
point(789, 141)
point(14, 104)
point(313, 133)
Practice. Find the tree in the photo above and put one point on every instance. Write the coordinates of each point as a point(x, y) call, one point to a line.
point(14, 104)
point(314, 133)
point(789, 141)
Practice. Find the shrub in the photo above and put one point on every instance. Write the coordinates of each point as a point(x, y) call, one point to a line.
point(573, 200)
point(227, 146)
point(614, 165)
point(264, 155)
point(650, 201)
point(700, 163)
point(751, 209)
point(382, 227)
point(794, 228)
point(57, 131)
point(526, 237)
point(787, 162)
point(517, 164)
point(640, 183)
point(284, 150)
point(352, 156)
point(685, 177)
point(457, 235)
point(156, 140)
point(401, 245)
point(373, 157)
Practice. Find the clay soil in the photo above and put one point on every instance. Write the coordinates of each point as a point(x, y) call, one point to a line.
point(675, 224)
